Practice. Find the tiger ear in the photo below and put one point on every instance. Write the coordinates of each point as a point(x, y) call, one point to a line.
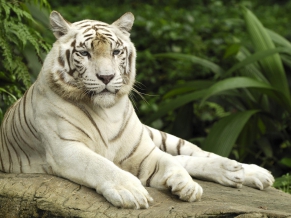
point(59, 25)
point(125, 22)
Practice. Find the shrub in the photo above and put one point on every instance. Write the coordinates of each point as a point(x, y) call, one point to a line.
point(253, 97)
point(17, 32)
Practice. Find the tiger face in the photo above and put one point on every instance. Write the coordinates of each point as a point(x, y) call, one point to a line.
point(95, 61)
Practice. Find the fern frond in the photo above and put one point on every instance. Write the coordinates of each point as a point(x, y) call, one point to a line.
point(14, 41)
point(6, 53)
point(32, 38)
point(41, 3)
point(16, 31)
point(42, 44)
point(6, 7)
point(21, 72)
point(21, 13)
point(8, 93)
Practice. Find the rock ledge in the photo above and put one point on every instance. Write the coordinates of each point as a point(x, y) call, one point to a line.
point(37, 195)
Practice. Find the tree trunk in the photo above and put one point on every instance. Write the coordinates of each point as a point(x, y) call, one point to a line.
point(38, 195)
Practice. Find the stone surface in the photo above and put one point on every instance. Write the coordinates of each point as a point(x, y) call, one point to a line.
point(37, 195)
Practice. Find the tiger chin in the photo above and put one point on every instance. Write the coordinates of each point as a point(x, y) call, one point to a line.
point(77, 122)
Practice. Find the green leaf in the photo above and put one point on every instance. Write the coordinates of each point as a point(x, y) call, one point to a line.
point(179, 91)
point(278, 39)
point(252, 70)
point(286, 60)
point(286, 161)
point(245, 82)
point(282, 181)
point(273, 67)
point(265, 146)
point(232, 50)
point(6, 52)
point(3, 90)
point(196, 60)
point(174, 104)
point(188, 86)
point(224, 133)
point(258, 56)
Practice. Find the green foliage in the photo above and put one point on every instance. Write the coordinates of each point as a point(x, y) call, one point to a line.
point(272, 66)
point(225, 132)
point(283, 183)
point(17, 33)
point(254, 92)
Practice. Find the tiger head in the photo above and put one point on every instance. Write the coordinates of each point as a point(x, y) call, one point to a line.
point(92, 60)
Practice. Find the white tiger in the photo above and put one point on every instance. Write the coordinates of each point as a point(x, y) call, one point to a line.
point(76, 121)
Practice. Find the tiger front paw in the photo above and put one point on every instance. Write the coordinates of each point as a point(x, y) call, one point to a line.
point(126, 192)
point(257, 177)
point(182, 184)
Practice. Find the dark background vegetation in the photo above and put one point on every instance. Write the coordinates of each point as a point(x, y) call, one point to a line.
point(213, 30)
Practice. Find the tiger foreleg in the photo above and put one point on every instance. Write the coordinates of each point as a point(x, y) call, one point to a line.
point(221, 170)
point(176, 146)
point(125, 190)
point(163, 172)
point(78, 163)
point(210, 166)
point(226, 172)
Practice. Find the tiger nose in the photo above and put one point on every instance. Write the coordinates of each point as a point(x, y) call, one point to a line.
point(105, 78)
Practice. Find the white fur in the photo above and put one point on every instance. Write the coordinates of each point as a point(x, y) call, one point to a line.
point(98, 141)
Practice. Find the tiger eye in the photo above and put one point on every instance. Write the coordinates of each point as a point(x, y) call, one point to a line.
point(84, 53)
point(116, 52)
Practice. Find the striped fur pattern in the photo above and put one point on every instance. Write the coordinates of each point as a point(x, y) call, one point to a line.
point(76, 121)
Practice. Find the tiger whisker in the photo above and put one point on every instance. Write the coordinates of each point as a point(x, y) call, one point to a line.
point(132, 99)
point(140, 94)
point(139, 85)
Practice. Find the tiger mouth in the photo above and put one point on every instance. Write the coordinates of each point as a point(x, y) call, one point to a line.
point(94, 93)
point(105, 91)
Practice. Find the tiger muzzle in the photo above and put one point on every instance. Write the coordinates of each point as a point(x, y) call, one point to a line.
point(105, 78)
